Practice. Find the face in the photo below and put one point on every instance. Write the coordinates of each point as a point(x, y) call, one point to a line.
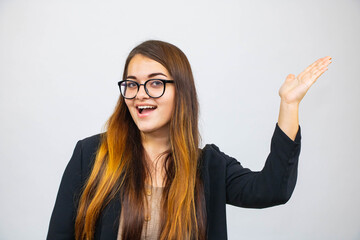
point(156, 114)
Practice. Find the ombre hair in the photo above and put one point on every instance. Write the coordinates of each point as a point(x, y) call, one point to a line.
point(120, 168)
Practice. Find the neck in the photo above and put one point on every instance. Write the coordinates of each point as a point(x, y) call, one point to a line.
point(155, 143)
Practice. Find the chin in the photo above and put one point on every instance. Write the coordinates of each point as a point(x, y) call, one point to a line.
point(153, 129)
point(146, 129)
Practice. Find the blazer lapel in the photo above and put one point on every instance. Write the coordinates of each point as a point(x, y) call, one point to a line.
point(206, 181)
point(108, 225)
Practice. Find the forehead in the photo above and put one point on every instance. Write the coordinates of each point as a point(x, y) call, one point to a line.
point(141, 67)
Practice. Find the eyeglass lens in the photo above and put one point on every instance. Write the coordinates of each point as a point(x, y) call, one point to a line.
point(154, 88)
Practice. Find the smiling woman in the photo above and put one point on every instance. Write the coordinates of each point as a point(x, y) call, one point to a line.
point(146, 178)
point(151, 107)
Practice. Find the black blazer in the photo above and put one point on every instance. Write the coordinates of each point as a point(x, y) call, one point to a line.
point(225, 182)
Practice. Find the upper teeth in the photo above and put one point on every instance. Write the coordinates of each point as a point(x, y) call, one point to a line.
point(144, 107)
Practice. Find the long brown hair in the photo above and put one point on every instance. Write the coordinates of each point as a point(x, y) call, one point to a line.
point(120, 168)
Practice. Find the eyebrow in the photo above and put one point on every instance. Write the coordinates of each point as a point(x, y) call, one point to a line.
point(149, 76)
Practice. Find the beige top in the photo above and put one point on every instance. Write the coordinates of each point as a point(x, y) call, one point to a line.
point(152, 215)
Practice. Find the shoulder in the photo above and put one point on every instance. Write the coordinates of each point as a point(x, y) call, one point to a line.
point(211, 155)
point(211, 151)
point(85, 153)
point(90, 144)
point(217, 163)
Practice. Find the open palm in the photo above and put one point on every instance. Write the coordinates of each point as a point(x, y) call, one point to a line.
point(295, 88)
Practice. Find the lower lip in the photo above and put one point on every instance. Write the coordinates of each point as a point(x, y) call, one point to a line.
point(142, 115)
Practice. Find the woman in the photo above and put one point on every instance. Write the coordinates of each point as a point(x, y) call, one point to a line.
point(145, 178)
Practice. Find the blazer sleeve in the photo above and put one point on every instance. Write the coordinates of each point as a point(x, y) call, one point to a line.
point(274, 184)
point(63, 216)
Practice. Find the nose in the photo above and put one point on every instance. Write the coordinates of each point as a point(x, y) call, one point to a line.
point(142, 93)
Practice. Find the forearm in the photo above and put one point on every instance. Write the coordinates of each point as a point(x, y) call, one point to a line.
point(289, 119)
point(274, 184)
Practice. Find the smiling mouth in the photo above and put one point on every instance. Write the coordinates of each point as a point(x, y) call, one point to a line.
point(145, 109)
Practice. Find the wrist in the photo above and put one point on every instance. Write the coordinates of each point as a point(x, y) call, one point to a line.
point(289, 118)
point(289, 105)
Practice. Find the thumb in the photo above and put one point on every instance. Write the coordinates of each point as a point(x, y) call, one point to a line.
point(290, 77)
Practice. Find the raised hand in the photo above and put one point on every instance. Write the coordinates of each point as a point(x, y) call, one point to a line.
point(295, 88)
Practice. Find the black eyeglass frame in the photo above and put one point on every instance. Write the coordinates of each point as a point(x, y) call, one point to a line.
point(164, 81)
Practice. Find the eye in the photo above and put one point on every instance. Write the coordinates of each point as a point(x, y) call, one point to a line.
point(131, 84)
point(156, 83)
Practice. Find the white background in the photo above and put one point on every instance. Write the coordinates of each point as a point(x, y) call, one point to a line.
point(60, 62)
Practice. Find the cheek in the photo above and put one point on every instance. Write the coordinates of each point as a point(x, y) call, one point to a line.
point(128, 103)
point(170, 99)
point(170, 107)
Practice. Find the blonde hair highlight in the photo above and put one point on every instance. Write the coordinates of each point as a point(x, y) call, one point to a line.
point(120, 168)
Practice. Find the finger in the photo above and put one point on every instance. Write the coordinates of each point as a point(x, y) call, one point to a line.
point(321, 66)
point(315, 76)
point(308, 76)
point(317, 63)
point(290, 78)
point(319, 72)
point(314, 64)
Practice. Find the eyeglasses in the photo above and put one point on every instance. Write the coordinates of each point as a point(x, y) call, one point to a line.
point(155, 88)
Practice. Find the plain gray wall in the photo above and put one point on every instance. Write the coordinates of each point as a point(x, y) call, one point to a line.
point(60, 62)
